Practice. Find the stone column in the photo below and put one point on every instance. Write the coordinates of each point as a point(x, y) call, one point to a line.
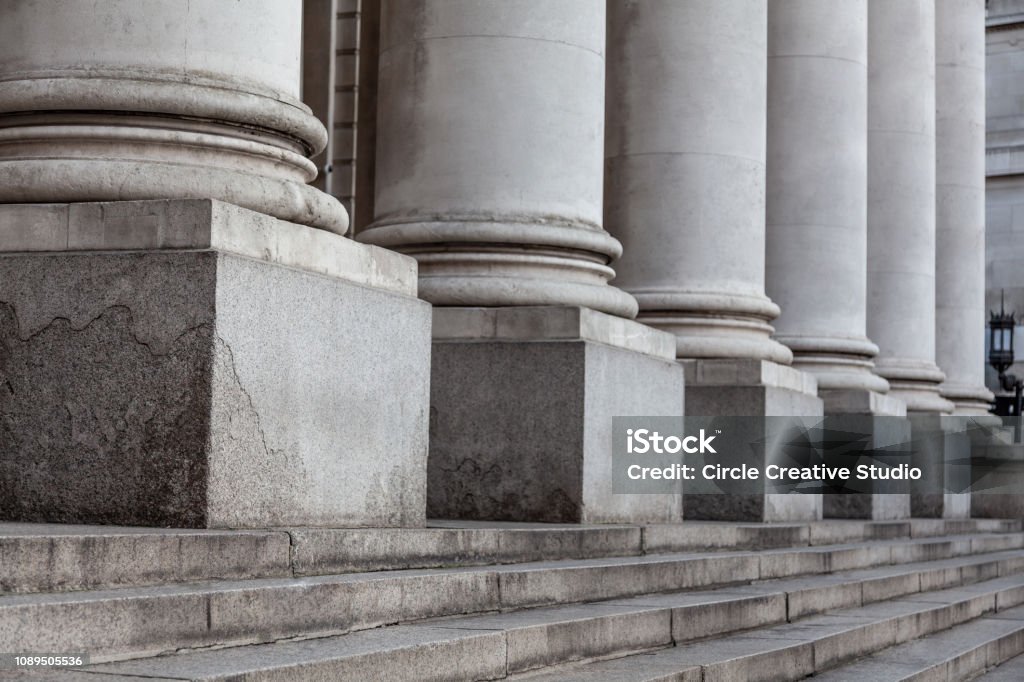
point(186, 337)
point(685, 185)
point(817, 219)
point(960, 203)
point(901, 200)
point(489, 152)
point(685, 193)
point(116, 101)
point(817, 193)
point(489, 171)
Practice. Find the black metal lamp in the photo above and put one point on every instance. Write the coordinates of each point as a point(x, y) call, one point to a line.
point(1000, 355)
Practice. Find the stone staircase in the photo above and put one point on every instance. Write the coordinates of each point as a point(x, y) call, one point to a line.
point(920, 599)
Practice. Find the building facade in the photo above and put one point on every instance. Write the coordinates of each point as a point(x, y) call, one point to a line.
point(538, 216)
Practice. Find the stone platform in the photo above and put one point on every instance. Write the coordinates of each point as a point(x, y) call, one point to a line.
point(195, 364)
point(522, 401)
point(470, 601)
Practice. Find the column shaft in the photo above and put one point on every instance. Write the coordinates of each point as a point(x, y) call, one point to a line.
point(901, 199)
point(960, 203)
point(489, 157)
point(685, 171)
point(121, 101)
point(817, 188)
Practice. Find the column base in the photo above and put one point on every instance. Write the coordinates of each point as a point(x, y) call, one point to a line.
point(880, 502)
point(194, 364)
point(522, 401)
point(968, 401)
point(750, 388)
point(938, 444)
point(891, 428)
point(862, 402)
point(916, 383)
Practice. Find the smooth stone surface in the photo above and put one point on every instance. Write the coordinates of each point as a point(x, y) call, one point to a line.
point(901, 200)
point(816, 257)
point(960, 203)
point(492, 179)
point(200, 224)
point(521, 429)
point(685, 182)
point(203, 389)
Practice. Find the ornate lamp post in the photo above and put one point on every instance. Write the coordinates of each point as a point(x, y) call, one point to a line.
point(1000, 357)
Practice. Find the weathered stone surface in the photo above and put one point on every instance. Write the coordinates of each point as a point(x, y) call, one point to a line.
point(52, 558)
point(318, 551)
point(196, 388)
point(402, 653)
point(200, 224)
point(521, 430)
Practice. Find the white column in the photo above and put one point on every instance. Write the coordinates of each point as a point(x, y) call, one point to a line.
point(960, 203)
point(164, 99)
point(685, 162)
point(489, 157)
point(901, 199)
point(817, 188)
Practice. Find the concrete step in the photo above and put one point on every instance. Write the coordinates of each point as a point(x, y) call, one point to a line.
point(961, 653)
point(501, 645)
point(51, 558)
point(146, 621)
point(1009, 671)
point(817, 645)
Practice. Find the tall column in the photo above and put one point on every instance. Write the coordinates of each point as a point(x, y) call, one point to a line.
point(180, 346)
point(960, 204)
point(685, 193)
point(117, 101)
point(817, 219)
point(685, 185)
point(817, 189)
point(901, 199)
point(489, 171)
point(489, 158)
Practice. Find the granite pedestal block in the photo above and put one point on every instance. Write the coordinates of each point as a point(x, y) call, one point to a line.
point(890, 436)
point(750, 388)
point(884, 417)
point(522, 401)
point(192, 364)
point(939, 443)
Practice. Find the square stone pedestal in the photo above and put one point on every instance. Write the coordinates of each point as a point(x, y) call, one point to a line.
point(884, 417)
point(194, 364)
point(522, 402)
point(869, 439)
point(942, 450)
point(750, 388)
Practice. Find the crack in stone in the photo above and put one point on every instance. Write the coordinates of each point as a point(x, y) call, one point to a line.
point(238, 382)
point(118, 306)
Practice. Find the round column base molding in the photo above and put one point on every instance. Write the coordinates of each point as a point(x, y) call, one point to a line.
point(587, 240)
point(758, 309)
point(915, 382)
point(706, 337)
point(497, 291)
point(970, 400)
point(472, 261)
point(85, 180)
point(154, 93)
point(838, 363)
